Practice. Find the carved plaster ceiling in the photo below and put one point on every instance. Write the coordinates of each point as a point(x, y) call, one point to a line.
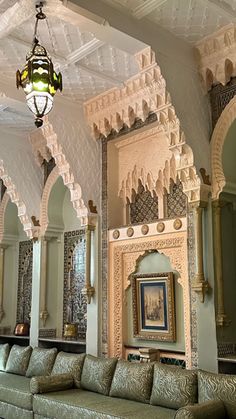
point(89, 65)
point(188, 19)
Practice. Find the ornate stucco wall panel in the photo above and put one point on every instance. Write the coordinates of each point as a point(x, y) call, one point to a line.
point(122, 260)
point(146, 92)
point(76, 154)
point(217, 56)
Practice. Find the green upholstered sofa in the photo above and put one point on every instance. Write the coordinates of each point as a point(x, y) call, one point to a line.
point(38, 384)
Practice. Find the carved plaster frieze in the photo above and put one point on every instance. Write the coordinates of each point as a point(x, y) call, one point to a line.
point(143, 94)
point(3, 206)
point(218, 138)
point(217, 56)
point(65, 172)
point(45, 198)
point(123, 256)
point(12, 192)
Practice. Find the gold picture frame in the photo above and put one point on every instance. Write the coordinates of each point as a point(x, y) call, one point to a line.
point(154, 306)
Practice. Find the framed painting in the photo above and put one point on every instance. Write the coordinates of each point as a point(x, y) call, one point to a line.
point(154, 306)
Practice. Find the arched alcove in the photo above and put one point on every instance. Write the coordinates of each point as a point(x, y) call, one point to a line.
point(17, 262)
point(65, 244)
point(153, 263)
point(227, 199)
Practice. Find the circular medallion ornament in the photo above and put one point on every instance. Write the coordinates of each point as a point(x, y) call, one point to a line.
point(160, 227)
point(177, 224)
point(130, 231)
point(116, 234)
point(145, 229)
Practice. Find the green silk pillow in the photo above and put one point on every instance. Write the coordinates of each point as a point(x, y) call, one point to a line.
point(218, 386)
point(173, 387)
point(132, 381)
point(67, 363)
point(97, 374)
point(4, 352)
point(18, 359)
point(41, 362)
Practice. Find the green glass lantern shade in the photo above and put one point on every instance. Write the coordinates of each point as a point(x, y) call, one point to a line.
point(39, 81)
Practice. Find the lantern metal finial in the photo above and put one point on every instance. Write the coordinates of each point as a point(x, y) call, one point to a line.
point(38, 78)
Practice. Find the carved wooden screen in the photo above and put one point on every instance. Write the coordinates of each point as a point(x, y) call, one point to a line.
point(220, 96)
point(144, 206)
point(24, 281)
point(176, 200)
point(2, 189)
point(74, 303)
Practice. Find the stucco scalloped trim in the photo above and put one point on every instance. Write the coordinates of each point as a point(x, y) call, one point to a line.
point(16, 199)
point(64, 170)
point(218, 138)
point(52, 178)
point(141, 95)
point(3, 206)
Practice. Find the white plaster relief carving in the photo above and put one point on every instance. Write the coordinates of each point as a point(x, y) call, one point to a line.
point(123, 258)
point(40, 149)
point(218, 138)
point(15, 198)
point(143, 94)
point(3, 206)
point(65, 171)
point(45, 198)
point(217, 56)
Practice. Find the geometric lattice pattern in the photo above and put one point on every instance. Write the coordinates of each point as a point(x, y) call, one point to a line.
point(176, 200)
point(24, 282)
point(220, 96)
point(144, 207)
point(74, 302)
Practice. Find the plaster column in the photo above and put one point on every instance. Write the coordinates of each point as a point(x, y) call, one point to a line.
point(200, 285)
point(34, 324)
point(43, 312)
point(2, 256)
point(221, 317)
point(88, 290)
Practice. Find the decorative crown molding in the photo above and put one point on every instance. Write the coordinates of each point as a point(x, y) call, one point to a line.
point(216, 56)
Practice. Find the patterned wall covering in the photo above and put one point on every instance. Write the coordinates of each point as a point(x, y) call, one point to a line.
point(144, 207)
point(220, 96)
point(176, 201)
point(74, 303)
point(24, 281)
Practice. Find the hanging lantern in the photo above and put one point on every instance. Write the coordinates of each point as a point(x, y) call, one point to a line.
point(38, 78)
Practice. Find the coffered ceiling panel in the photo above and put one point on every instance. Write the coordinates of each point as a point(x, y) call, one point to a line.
point(188, 19)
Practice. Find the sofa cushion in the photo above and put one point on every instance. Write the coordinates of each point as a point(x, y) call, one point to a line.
point(45, 384)
point(18, 359)
point(97, 374)
point(132, 381)
point(218, 386)
point(212, 409)
point(173, 387)
point(78, 403)
point(69, 363)
point(13, 412)
point(4, 352)
point(41, 362)
point(15, 389)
